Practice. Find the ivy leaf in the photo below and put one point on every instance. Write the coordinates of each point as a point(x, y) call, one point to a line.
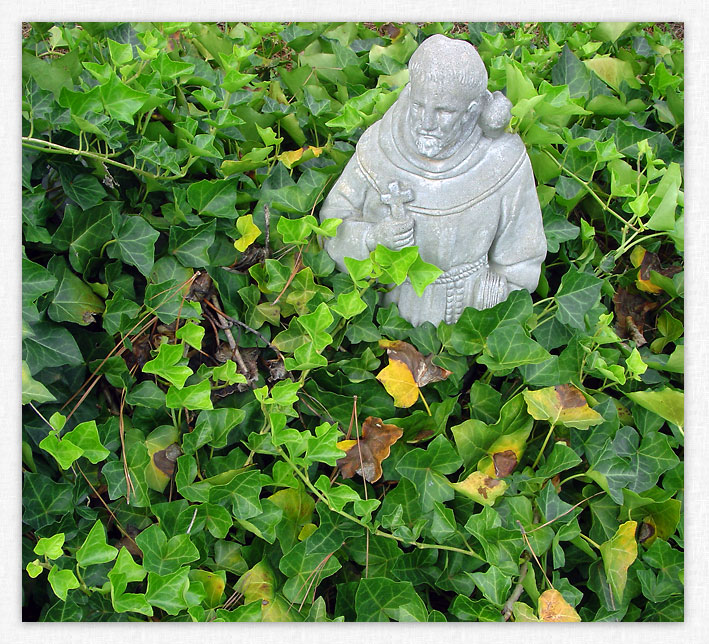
point(366, 456)
point(73, 299)
point(95, 550)
point(249, 231)
point(51, 547)
point(501, 545)
point(578, 294)
point(494, 584)
point(120, 101)
point(561, 405)
point(508, 346)
point(399, 383)
point(395, 264)
point(169, 592)
point(85, 437)
point(62, 581)
point(481, 488)
point(426, 469)
point(379, 599)
point(667, 403)
point(618, 553)
point(33, 390)
point(216, 198)
point(165, 364)
point(193, 397)
point(136, 239)
point(554, 608)
point(192, 334)
point(422, 274)
point(162, 555)
point(191, 245)
point(475, 439)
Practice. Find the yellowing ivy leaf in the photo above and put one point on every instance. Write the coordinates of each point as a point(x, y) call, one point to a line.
point(618, 553)
point(408, 370)
point(249, 232)
point(399, 383)
point(481, 488)
point(561, 405)
point(554, 608)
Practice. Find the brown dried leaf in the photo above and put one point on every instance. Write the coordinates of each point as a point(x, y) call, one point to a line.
point(201, 288)
point(505, 463)
point(374, 446)
point(422, 369)
point(630, 312)
point(165, 459)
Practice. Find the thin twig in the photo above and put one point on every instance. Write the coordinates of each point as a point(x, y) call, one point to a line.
point(516, 593)
point(531, 550)
point(544, 525)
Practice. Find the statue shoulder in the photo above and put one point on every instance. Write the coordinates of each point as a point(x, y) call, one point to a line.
point(507, 145)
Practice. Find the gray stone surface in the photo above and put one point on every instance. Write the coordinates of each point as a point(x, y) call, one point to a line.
point(438, 171)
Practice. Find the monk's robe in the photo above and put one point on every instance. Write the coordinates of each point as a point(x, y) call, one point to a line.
point(476, 215)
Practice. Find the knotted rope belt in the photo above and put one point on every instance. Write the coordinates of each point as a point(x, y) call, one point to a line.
point(455, 280)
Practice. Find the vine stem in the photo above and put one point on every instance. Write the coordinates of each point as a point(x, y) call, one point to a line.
point(544, 444)
point(55, 148)
point(590, 191)
point(369, 528)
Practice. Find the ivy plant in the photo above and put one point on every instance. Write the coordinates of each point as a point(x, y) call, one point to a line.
point(220, 425)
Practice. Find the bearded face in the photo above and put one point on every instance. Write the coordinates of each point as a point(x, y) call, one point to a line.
point(440, 117)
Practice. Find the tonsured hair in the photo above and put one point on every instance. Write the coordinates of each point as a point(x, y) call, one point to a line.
point(443, 60)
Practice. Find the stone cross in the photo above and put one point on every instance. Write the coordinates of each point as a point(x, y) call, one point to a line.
point(396, 198)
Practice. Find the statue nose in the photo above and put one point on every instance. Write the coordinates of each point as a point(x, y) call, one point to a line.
point(428, 120)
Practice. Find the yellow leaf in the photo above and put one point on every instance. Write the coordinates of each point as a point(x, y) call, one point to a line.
point(561, 405)
point(345, 445)
point(481, 488)
point(290, 157)
point(399, 383)
point(554, 608)
point(645, 262)
point(249, 232)
point(618, 553)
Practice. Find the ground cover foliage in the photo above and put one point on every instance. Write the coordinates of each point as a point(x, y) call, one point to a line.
point(197, 374)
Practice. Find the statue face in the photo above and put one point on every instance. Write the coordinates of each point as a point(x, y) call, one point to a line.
point(440, 118)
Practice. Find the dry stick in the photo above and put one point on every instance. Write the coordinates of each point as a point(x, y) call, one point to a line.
point(121, 431)
point(296, 267)
point(544, 525)
point(100, 498)
point(120, 345)
point(516, 593)
point(364, 481)
point(315, 571)
point(267, 220)
point(245, 326)
point(529, 547)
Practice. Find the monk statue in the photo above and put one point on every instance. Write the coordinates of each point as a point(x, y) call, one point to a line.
point(439, 172)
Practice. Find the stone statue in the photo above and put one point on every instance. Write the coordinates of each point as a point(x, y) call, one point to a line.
point(438, 171)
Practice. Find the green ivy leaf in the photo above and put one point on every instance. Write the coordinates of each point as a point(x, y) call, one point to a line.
point(162, 555)
point(165, 364)
point(95, 550)
point(426, 469)
point(62, 581)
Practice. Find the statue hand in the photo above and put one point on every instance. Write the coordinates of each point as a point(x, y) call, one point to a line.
point(392, 232)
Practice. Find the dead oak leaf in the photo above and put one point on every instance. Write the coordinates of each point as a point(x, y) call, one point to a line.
point(365, 456)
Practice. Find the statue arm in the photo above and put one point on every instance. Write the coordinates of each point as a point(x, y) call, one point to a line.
point(520, 245)
point(346, 201)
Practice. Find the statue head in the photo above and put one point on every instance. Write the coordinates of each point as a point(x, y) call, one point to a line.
point(448, 90)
